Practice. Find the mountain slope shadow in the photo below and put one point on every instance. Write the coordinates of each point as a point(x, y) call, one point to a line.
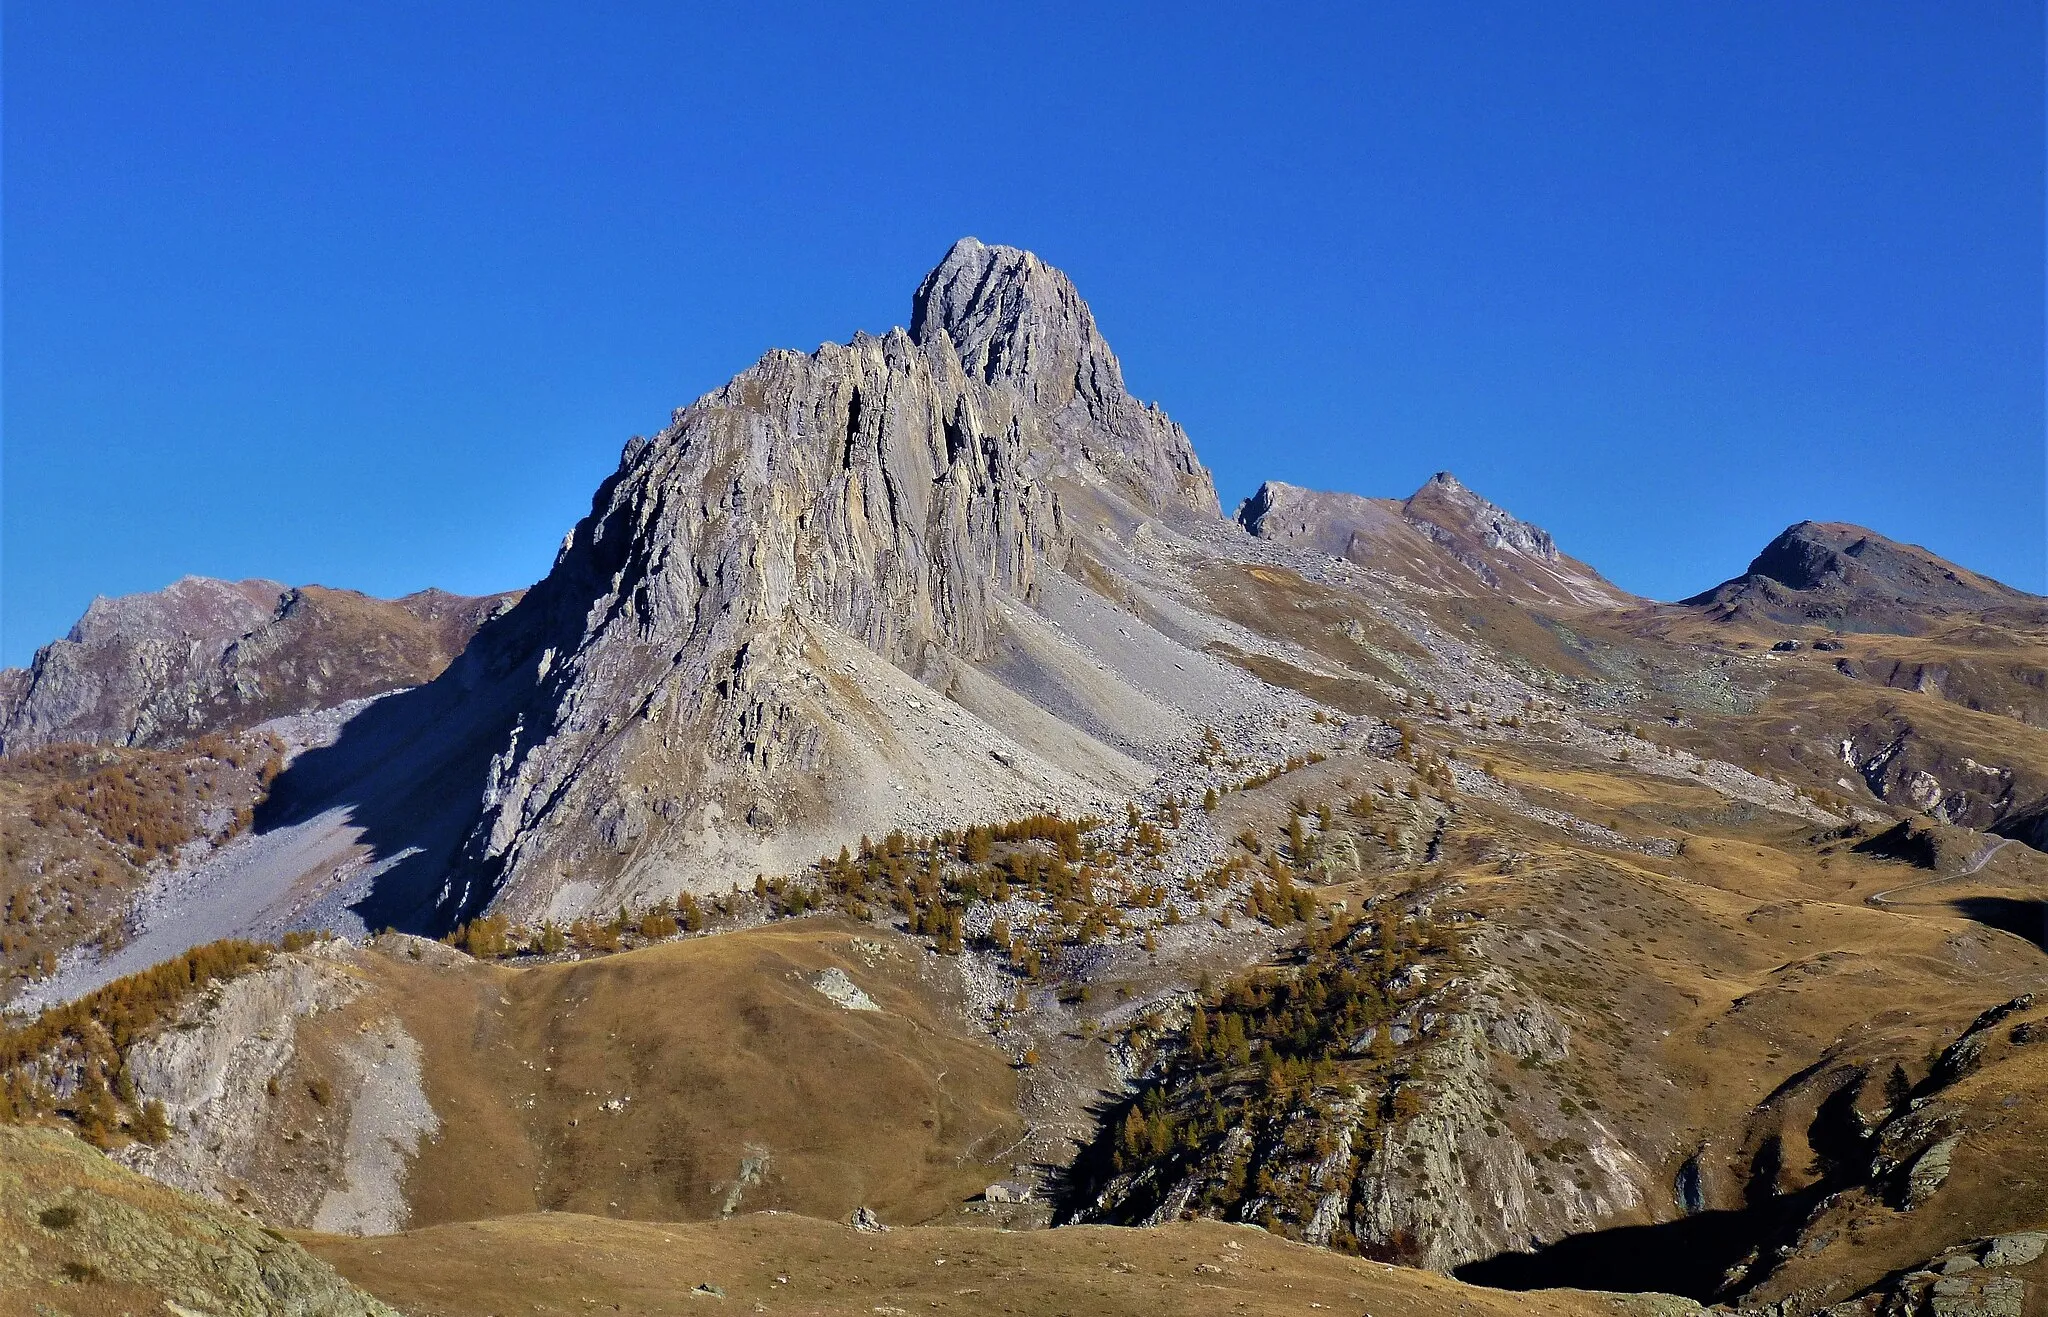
point(411, 773)
point(408, 772)
point(1691, 1256)
point(2023, 918)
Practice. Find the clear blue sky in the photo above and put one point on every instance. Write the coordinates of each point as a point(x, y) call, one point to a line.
point(372, 294)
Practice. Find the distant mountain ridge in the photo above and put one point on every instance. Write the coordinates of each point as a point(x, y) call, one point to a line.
point(204, 655)
point(1444, 535)
point(1846, 577)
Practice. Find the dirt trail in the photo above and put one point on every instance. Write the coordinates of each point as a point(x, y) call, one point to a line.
point(1976, 865)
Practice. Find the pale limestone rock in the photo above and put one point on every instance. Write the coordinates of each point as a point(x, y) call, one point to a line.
point(842, 991)
point(674, 716)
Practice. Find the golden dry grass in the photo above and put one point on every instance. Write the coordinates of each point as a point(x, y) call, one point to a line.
point(576, 1264)
point(716, 1051)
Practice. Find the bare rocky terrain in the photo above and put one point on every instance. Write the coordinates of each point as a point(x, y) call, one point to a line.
point(909, 797)
point(1443, 536)
point(203, 656)
point(138, 749)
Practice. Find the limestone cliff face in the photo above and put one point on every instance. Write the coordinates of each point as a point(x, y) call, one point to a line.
point(681, 668)
point(203, 655)
point(1017, 325)
point(214, 1069)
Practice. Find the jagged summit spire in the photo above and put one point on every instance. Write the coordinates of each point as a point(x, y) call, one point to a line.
point(1019, 326)
point(1016, 320)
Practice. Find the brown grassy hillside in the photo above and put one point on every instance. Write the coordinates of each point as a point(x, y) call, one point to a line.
point(787, 1264)
point(722, 1055)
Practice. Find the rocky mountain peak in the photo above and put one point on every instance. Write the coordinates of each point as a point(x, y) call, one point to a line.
point(1839, 575)
point(1811, 554)
point(1014, 320)
point(1445, 503)
point(1018, 327)
point(190, 608)
point(658, 706)
point(203, 655)
point(1443, 536)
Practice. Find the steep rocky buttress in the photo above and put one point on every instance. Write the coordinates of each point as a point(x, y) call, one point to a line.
point(678, 708)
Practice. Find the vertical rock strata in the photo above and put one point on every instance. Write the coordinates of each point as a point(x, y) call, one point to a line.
point(671, 690)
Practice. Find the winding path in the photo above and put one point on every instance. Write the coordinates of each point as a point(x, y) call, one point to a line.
point(1981, 859)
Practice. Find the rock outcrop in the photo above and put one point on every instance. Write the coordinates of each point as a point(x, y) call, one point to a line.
point(74, 1227)
point(1439, 1177)
point(203, 655)
point(216, 1072)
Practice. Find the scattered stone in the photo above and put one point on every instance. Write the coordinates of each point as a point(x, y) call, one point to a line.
point(865, 1221)
point(843, 991)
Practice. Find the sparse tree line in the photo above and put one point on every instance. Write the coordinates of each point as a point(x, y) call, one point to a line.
point(1266, 1069)
point(1087, 877)
point(91, 819)
point(150, 802)
point(494, 937)
point(69, 1064)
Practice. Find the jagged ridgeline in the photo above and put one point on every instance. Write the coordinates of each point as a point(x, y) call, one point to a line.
point(691, 691)
point(908, 795)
